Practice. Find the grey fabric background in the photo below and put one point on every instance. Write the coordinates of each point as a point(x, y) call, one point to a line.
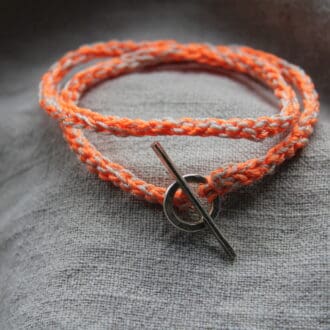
point(77, 253)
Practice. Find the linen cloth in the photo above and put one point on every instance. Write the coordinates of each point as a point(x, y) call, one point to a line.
point(78, 253)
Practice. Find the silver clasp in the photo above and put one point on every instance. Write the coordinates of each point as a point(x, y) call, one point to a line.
point(181, 182)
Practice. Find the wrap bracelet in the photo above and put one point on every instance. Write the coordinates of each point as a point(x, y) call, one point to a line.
point(295, 119)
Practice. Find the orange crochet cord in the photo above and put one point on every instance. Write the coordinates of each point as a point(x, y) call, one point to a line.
point(124, 57)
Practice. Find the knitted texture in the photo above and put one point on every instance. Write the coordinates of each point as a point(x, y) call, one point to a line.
point(283, 78)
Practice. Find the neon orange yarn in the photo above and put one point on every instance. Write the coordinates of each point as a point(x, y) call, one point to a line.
point(124, 57)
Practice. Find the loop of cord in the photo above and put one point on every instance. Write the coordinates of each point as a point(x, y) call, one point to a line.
point(124, 57)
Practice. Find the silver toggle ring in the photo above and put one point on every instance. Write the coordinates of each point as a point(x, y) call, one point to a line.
point(172, 215)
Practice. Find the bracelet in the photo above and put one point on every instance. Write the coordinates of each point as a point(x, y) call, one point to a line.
point(283, 78)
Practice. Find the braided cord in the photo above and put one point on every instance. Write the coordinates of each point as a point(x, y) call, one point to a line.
point(120, 58)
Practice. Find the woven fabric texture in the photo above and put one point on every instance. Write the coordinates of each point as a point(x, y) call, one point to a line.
point(78, 253)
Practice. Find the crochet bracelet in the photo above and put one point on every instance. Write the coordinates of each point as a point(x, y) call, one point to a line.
point(118, 58)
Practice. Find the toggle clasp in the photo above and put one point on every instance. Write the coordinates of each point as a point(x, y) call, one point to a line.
point(181, 182)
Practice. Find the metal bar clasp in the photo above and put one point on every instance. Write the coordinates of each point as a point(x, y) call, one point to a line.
point(181, 182)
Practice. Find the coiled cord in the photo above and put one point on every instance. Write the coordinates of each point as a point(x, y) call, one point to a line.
point(124, 57)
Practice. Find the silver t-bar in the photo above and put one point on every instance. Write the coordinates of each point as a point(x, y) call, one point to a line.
point(174, 172)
